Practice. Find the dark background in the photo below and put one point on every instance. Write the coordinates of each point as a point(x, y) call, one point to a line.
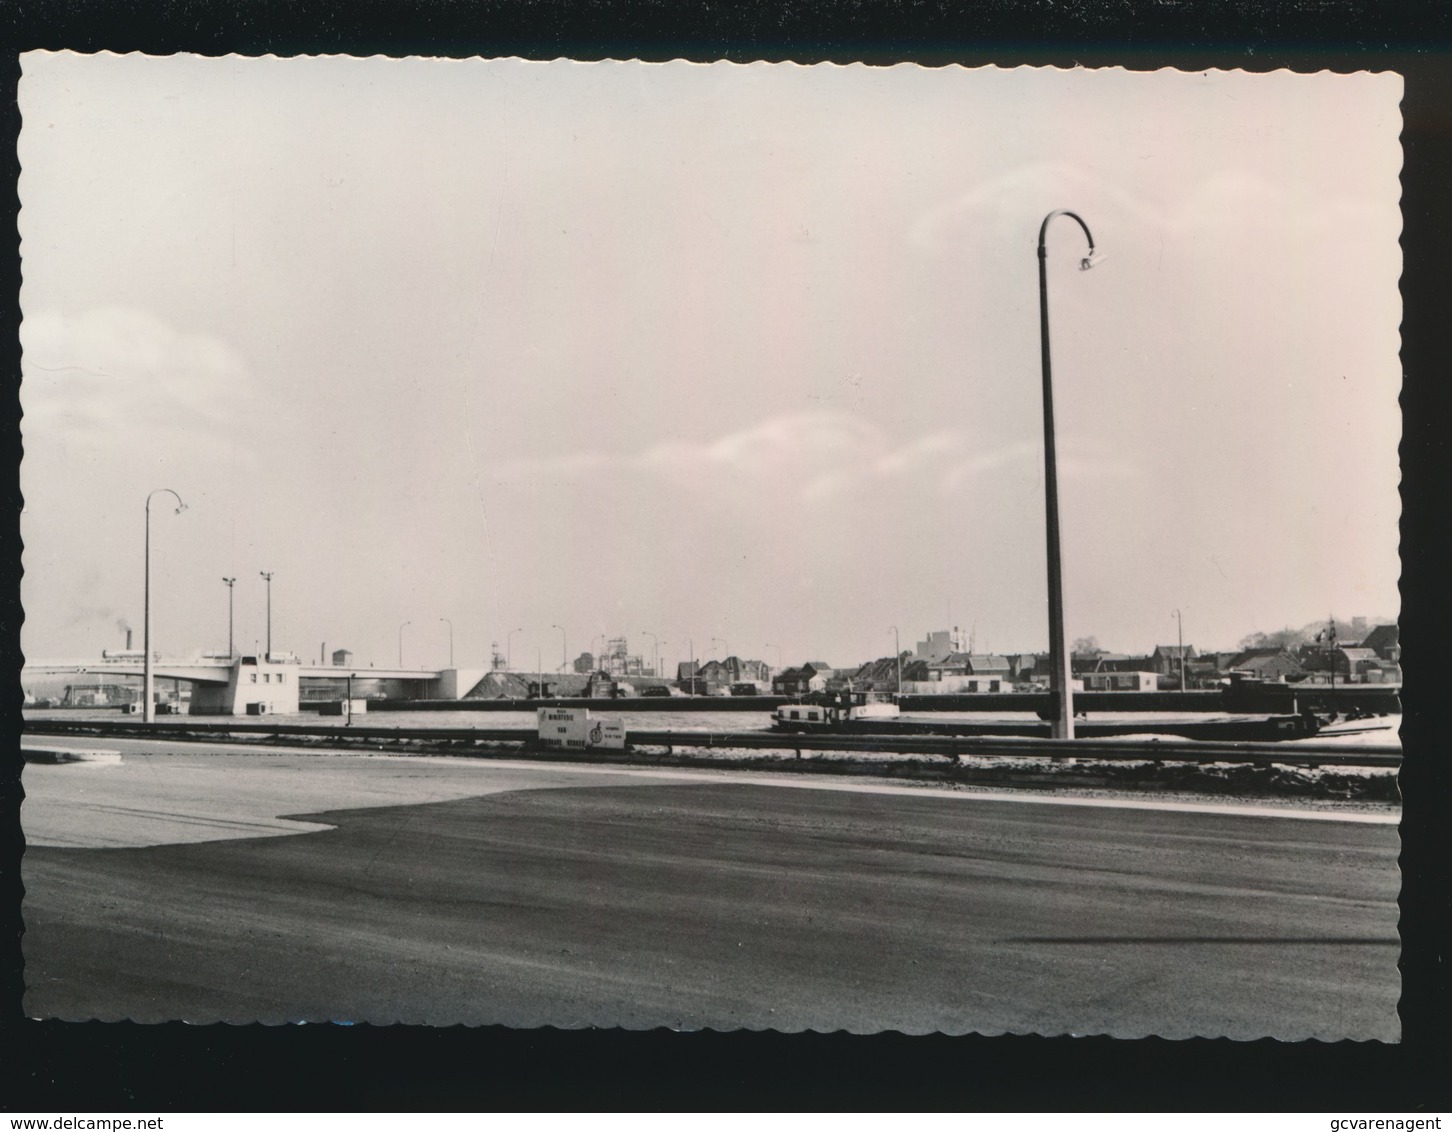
point(54, 1066)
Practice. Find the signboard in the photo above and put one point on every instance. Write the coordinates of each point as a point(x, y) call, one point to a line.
point(606, 734)
point(574, 729)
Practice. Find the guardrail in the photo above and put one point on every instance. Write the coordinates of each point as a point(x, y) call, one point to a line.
point(185, 729)
point(1302, 752)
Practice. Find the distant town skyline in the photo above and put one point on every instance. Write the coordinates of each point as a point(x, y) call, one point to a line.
point(470, 350)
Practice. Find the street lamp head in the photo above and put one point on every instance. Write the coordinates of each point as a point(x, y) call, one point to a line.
point(1093, 259)
point(180, 506)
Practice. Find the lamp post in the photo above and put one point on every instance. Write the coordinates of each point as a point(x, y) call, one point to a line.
point(450, 624)
point(897, 654)
point(1181, 621)
point(1061, 688)
point(655, 651)
point(509, 649)
point(148, 709)
point(778, 654)
point(231, 582)
point(400, 642)
point(691, 645)
point(267, 577)
point(1330, 634)
point(564, 648)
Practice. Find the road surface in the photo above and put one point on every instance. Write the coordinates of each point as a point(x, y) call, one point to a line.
point(190, 883)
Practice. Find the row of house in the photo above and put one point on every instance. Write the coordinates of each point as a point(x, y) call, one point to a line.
point(1376, 659)
point(941, 665)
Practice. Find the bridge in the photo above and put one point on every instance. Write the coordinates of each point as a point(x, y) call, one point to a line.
point(251, 685)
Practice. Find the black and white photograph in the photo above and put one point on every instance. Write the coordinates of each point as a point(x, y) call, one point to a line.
point(707, 546)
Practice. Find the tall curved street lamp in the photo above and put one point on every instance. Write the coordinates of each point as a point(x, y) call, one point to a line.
point(148, 708)
point(1061, 688)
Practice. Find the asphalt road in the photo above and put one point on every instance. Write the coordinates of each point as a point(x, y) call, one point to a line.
point(465, 892)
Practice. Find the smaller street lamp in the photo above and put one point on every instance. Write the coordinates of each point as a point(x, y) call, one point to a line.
point(400, 642)
point(1181, 622)
point(450, 624)
point(231, 582)
point(267, 577)
point(148, 709)
point(897, 654)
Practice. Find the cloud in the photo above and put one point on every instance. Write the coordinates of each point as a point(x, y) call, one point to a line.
point(1006, 198)
point(566, 466)
point(1226, 199)
point(799, 442)
point(815, 456)
point(1094, 460)
point(971, 468)
point(122, 373)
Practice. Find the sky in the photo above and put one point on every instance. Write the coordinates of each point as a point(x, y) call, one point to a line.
point(722, 359)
